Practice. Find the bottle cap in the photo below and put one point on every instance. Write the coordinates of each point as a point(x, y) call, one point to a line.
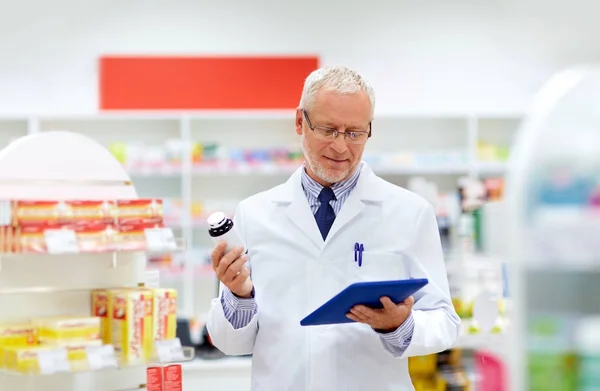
point(216, 219)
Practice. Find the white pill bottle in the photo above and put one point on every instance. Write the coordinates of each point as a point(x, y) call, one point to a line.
point(220, 228)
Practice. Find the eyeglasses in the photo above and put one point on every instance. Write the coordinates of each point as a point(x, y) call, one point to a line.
point(330, 134)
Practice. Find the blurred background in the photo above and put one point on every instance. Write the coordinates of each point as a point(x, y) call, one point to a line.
point(197, 99)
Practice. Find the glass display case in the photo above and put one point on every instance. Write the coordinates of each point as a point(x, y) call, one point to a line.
point(553, 200)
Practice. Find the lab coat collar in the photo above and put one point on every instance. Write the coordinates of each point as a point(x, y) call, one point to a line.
point(368, 189)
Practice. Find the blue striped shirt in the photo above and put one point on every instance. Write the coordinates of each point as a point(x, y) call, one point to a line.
point(239, 312)
point(342, 190)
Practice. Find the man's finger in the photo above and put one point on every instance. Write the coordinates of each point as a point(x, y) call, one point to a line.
point(362, 311)
point(217, 254)
point(359, 316)
point(410, 301)
point(228, 259)
point(352, 317)
point(235, 268)
point(239, 279)
point(388, 304)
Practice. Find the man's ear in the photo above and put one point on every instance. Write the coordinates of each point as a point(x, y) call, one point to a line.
point(299, 121)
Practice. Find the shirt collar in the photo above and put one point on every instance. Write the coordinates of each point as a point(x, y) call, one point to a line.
point(340, 189)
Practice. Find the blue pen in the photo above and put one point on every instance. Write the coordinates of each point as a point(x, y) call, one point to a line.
point(356, 248)
point(360, 254)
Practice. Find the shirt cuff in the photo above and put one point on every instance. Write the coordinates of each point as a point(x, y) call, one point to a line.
point(402, 336)
point(234, 303)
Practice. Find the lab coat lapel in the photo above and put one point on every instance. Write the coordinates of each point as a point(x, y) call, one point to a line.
point(298, 210)
point(366, 190)
point(300, 214)
point(352, 207)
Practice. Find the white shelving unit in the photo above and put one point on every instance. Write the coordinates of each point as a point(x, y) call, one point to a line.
point(29, 169)
point(444, 144)
point(553, 225)
point(39, 285)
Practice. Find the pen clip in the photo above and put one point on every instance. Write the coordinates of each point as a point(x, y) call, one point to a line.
point(360, 254)
point(356, 248)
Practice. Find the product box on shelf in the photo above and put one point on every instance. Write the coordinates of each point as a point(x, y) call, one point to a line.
point(20, 213)
point(131, 212)
point(18, 335)
point(165, 314)
point(82, 226)
point(53, 330)
point(154, 378)
point(164, 378)
point(26, 213)
point(100, 309)
point(132, 319)
point(131, 324)
point(439, 372)
point(94, 237)
point(128, 326)
point(172, 377)
point(31, 359)
point(77, 352)
point(133, 237)
point(58, 344)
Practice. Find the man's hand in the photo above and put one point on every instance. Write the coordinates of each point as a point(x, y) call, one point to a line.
point(231, 269)
point(387, 319)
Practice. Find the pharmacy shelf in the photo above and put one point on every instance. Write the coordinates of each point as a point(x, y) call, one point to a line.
point(441, 146)
point(108, 379)
point(40, 285)
point(258, 170)
point(115, 378)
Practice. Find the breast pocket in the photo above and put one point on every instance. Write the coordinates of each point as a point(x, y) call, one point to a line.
point(379, 266)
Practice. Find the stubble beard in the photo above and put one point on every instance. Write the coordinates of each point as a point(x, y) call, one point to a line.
point(320, 171)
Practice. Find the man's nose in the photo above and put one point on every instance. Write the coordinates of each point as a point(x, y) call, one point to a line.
point(339, 143)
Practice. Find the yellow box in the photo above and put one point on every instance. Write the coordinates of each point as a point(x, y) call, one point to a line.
point(100, 309)
point(422, 365)
point(131, 324)
point(165, 314)
point(68, 328)
point(24, 359)
point(16, 335)
point(76, 352)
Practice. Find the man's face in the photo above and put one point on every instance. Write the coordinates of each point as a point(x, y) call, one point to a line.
point(331, 161)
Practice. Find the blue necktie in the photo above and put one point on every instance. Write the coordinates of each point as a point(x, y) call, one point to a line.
point(325, 214)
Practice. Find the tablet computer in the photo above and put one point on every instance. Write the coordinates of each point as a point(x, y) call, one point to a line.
point(362, 293)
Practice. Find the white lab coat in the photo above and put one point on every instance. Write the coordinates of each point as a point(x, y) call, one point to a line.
point(294, 272)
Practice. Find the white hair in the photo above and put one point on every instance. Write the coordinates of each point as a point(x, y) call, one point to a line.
point(339, 79)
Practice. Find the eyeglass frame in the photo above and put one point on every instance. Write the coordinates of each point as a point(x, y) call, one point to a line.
point(336, 132)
